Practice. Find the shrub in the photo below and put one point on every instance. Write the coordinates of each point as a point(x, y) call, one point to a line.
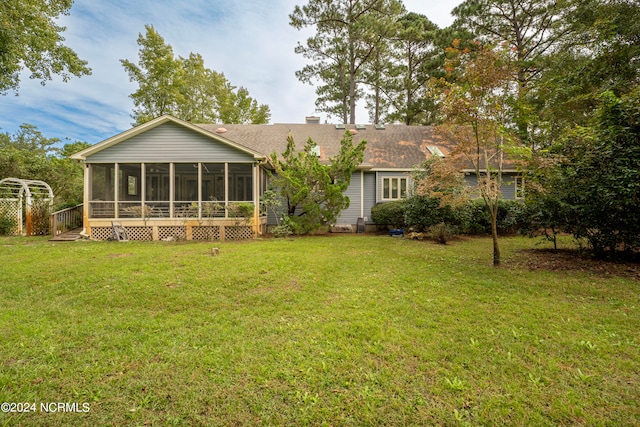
point(284, 229)
point(242, 211)
point(441, 233)
point(423, 212)
point(477, 218)
point(390, 214)
point(7, 225)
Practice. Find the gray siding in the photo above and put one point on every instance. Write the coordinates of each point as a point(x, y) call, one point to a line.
point(170, 142)
point(508, 185)
point(352, 213)
point(369, 194)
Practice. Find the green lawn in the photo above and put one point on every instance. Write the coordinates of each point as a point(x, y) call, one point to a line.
point(336, 330)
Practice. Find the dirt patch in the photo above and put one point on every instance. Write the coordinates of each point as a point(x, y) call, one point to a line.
point(572, 260)
point(118, 255)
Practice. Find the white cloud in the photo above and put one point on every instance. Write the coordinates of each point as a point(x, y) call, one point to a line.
point(251, 42)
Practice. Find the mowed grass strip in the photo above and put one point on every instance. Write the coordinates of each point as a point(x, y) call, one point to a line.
point(339, 330)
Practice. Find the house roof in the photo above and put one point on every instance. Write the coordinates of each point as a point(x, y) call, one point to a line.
point(393, 147)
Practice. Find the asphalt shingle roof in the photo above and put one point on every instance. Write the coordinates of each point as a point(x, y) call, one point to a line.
point(394, 147)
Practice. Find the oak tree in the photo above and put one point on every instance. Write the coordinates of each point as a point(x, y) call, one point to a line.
point(185, 88)
point(31, 39)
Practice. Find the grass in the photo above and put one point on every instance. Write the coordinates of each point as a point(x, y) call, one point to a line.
point(343, 330)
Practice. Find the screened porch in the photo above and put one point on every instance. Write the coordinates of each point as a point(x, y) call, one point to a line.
point(169, 190)
point(176, 199)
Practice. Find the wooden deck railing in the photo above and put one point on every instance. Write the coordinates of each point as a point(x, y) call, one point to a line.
point(66, 219)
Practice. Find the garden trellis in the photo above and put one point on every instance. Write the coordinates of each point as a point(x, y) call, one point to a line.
point(26, 204)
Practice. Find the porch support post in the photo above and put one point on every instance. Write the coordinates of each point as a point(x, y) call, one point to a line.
point(143, 190)
point(226, 189)
point(199, 190)
point(256, 199)
point(86, 228)
point(172, 188)
point(116, 190)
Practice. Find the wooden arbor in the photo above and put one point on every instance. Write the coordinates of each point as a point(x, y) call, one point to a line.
point(24, 201)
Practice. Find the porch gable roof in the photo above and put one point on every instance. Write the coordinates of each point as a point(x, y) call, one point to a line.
point(137, 130)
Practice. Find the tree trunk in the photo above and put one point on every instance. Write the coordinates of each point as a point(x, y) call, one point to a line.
point(352, 98)
point(494, 235)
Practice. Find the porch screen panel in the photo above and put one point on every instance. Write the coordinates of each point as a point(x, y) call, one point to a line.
point(240, 182)
point(213, 183)
point(130, 190)
point(157, 189)
point(186, 190)
point(102, 190)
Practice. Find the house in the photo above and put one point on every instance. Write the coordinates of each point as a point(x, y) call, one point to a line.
point(169, 178)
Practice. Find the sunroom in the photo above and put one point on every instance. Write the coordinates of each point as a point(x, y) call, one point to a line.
point(168, 179)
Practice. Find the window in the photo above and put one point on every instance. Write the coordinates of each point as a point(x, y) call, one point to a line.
point(519, 187)
point(212, 182)
point(394, 188)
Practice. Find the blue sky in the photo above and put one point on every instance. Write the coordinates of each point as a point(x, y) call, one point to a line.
point(249, 41)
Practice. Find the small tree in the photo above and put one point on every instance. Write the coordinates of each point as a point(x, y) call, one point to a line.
point(313, 191)
point(477, 118)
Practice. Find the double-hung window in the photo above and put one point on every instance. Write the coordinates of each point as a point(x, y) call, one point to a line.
point(394, 188)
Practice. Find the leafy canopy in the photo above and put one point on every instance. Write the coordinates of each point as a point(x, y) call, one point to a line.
point(185, 88)
point(27, 154)
point(594, 187)
point(30, 38)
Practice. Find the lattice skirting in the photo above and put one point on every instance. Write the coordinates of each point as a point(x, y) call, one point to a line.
point(178, 232)
point(140, 233)
point(238, 232)
point(101, 233)
point(205, 232)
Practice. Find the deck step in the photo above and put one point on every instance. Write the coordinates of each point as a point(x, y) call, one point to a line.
point(69, 236)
